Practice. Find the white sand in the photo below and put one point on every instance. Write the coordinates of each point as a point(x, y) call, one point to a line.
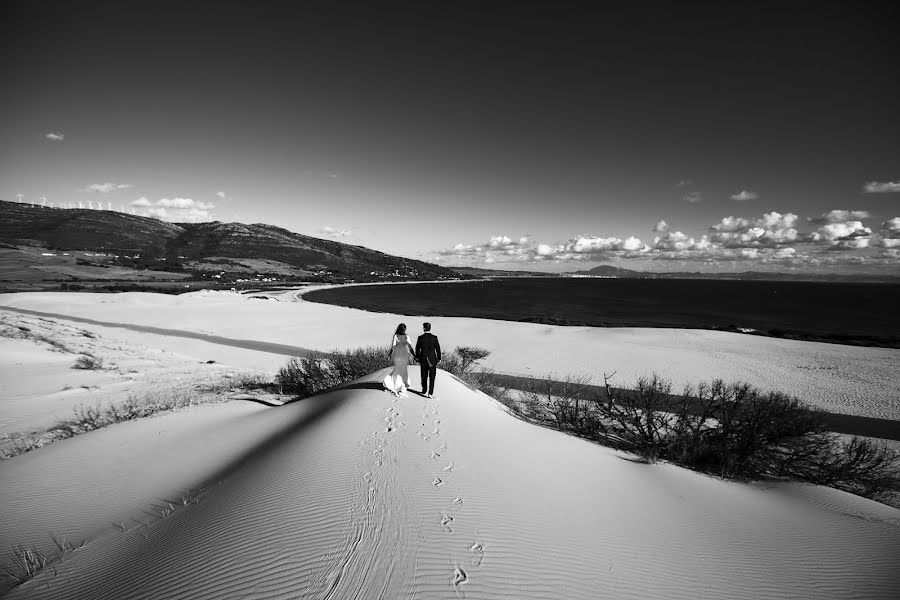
point(845, 379)
point(354, 494)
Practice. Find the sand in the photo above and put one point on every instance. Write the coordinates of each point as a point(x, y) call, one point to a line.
point(357, 494)
point(843, 379)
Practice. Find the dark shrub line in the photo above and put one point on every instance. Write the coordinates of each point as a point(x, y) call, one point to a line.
point(734, 431)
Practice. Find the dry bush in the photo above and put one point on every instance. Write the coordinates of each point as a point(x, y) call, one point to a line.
point(732, 430)
point(88, 362)
point(317, 372)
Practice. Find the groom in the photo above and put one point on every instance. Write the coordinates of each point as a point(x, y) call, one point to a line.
point(428, 353)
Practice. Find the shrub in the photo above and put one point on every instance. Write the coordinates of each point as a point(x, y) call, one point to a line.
point(733, 430)
point(317, 372)
point(88, 362)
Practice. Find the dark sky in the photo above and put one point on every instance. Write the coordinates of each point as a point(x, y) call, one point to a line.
point(564, 133)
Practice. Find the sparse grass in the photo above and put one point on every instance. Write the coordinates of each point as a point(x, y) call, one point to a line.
point(19, 332)
point(89, 418)
point(89, 362)
point(25, 563)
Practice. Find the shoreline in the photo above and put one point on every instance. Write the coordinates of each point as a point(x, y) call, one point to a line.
point(400, 306)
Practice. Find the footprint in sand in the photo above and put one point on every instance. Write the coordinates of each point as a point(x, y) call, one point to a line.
point(457, 503)
point(438, 482)
point(459, 578)
point(478, 550)
point(444, 446)
point(449, 467)
point(436, 431)
point(445, 523)
point(435, 456)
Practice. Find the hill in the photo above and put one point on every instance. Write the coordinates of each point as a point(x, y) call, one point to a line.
point(229, 250)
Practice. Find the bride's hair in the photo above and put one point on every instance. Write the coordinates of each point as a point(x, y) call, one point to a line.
point(401, 329)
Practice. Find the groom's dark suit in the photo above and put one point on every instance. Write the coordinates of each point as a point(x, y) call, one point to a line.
point(428, 353)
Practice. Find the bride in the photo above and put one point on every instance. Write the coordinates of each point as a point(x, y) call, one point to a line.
point(401, 354)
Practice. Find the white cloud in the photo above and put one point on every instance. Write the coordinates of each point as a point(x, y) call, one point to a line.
point(221, 195)
point(176, 210)
point(772, 229)
point(661, 227)
point(183, 203)
point(55, 137)
point(881, 187)
point(678, 241)
point(693, 198)
point(841, 231)
point(683, 183)
point(892, 225)
point(749, 253)
point(889, 242)
point(745, 195)
point(840, 216)
point(107, 187)
point(784, 253)
point(330, 231)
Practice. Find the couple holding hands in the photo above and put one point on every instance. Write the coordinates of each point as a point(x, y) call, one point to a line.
point(427, 352)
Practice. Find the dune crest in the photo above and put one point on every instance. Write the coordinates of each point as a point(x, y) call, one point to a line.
point(357, 494)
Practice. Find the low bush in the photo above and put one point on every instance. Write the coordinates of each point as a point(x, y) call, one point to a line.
point(88, 362)
point(317, 372)
point(734, 430)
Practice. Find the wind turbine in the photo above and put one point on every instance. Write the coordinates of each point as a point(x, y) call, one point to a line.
point(19, 196)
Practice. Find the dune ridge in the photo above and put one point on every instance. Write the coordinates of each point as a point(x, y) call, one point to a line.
point(356, 494)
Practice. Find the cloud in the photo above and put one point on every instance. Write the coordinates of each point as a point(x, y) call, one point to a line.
point(183, 203)
point(839, 216)
point(176, 210)
point(772, 229)
point(55, 137)
point(693, 197)
point(678, 241)
point(745, 195)
point(661, 227)
point(892, 226)
point(849, 235)
point(221, 195)
point(683, 184)
point(881, 187)
point(330, 231)
point(107, 187)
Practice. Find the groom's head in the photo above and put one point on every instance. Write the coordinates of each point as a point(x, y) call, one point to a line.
point(426, 327)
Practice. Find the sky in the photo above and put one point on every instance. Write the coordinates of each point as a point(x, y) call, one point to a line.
point(555, 137)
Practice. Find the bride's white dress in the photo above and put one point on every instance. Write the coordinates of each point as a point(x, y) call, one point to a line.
point(401, 351)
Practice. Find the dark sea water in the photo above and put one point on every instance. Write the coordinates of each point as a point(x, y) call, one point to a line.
point(851, 313)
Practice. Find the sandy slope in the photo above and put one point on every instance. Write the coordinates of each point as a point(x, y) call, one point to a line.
point(845, 379)
point(39, 386)
point(355, 495)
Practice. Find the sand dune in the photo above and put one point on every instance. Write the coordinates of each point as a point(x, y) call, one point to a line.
point(843, 379)
point(354, 494)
